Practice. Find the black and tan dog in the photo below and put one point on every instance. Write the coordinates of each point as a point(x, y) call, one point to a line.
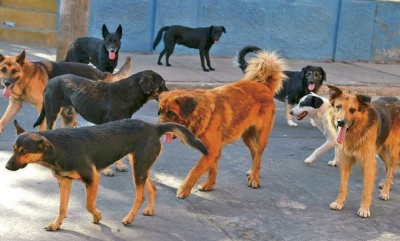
point(364, 129)
point(196, 38)
point(102, 53)
point(297, 85)
point(24, 81)
point(98, 101)
point(80, 159)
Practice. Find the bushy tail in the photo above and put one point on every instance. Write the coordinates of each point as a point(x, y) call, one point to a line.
point(240, 57)
point(124, 71)
point(267, 68)
point(159, 35)
point(183, 134)
point(41, 117)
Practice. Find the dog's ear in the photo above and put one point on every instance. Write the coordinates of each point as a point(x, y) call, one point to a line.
point(18, 128)
point(2, 58)
point(304, 71)
point(363, 99)
point(21, 58)
point(119, 30)
point(334, 92)
point(104, 31)
point(186, 105)
point(316, 101)
point(44, 145)
point(323, 74)
point(223, 29)
point(146, 83)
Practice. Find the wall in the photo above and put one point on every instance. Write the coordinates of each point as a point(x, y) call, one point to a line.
point(340, 30)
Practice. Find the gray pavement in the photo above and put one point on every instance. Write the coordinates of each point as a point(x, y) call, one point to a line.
point(292, 203)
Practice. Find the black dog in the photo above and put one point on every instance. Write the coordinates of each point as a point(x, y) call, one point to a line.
point(196, 38)
point(79, 153)
point(298, 84)
point(98, 101)
point(102, 53)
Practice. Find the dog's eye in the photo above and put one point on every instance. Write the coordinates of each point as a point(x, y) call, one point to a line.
point(352, 110)
point(308, 73)
point(170, 114)
point(338, 107)
point(4, 70)
point(23, 152)
point(14, 71)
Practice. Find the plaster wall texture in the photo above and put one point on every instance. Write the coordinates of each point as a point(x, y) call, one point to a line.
point(340, 30)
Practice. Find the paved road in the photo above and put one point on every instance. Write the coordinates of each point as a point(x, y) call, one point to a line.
point(292, 204)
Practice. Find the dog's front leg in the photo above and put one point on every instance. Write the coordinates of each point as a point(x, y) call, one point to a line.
point(322, 149)
point(289, 117)
point(345, 166)
point(64, 185)
point(368, 168)
point(202, 52)
point(13, 107)
point(207, 54)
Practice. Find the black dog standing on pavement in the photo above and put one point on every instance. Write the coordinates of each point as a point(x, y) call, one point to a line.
point(297, 85)
point(102, 53)
point(196, 38)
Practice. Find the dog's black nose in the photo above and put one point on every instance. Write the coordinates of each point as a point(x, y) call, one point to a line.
point(291, 112)
point(341, 123)
point(7, 82)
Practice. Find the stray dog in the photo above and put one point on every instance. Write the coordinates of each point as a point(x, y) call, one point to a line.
point(102, 53)
point(364, 129)
point(81, 159)
point(218, 116)
point(98, 101)
point(298, 84)
point(316, 107)
point(25, 81)
point(196, 38)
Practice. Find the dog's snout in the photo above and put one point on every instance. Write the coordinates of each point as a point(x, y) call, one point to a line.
point(341, 123)
point(7, 82)
point(291, 112)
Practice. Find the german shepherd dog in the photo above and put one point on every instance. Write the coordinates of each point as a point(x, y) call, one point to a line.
point(364, 129)
point(102, 53)
point(196, 38)
point(24, 81)
point(98, 101)
point(221, 115)
point(82, 160)
point(298, 84)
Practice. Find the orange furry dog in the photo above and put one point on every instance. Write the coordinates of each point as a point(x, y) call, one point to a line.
point(218, 116)
point(363, 130)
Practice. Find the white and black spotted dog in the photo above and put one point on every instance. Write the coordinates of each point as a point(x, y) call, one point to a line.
point(316, 107)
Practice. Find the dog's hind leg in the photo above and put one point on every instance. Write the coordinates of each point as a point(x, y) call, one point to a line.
point(390, 156)
point(64, 185)
point(249, 140)
point(91, 195)
point(207, 55)
point(160, 56)
point(151, 189)
point(68, 115)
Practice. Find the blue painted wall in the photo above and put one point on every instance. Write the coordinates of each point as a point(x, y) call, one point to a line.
point(341, 30)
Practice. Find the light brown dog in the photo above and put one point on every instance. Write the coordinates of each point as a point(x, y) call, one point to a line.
point(242, 109)
point(363, 130)
point(24, 81)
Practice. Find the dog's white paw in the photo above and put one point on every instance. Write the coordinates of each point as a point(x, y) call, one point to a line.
point(107, 172)
point(121, 168)
point(291, 123)
point(332, 163)
point(364, 213)
point(384, 196)
point(336, 206)
point(309, 160)
point(312, 122)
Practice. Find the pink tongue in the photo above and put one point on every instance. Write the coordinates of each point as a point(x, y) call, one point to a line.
point(7, 91)
point(341, 135)
point(311, 86)
point(111, 55)
point(216, 41)
point(168, 137)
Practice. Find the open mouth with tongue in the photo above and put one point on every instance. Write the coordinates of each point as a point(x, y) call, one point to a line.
point(302, 115)
point(168, 137)
point(7, 91)
point(311, 86)
point(216, 41)
point(342, 130)
point(111, 55)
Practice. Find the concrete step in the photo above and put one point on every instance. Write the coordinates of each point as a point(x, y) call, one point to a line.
point(29, 36)
point(27, 18)
point(37, 5)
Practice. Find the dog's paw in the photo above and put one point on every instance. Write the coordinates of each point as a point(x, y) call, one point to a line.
point(97, 217)
point(312, 123)
point(206, 70)
point(183, 192)
point(332, 163)
point(206, 186)
point(291, 123)
point(53, 226)
point(384, 196)
point(168, 65)
point(127, 220)
point(336, 206)
point(212, 69)
point(253, 183)
point(363, 213)
point(309, 160)
point(148, 211)
point(121, 167)
point(159, 63)
point(107, 172)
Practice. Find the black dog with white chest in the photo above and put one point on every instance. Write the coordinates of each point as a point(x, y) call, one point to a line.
point(102, 53)
point(196, 38)
point(297, 85)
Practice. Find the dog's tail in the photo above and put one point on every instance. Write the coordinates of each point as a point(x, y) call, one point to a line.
point(267, 68)
point(159, 35)
point(183, 134)
point(41, 117)
point(124, 71)
point(240, 57)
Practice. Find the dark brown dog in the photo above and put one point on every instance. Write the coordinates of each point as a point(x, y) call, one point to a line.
point(244, 109)
point(196, 38)
point(24, 81)
point(363, 130)
point(81, 159)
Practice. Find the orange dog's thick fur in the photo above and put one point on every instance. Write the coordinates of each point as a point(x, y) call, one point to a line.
point(242, 109)
point(363, 130)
